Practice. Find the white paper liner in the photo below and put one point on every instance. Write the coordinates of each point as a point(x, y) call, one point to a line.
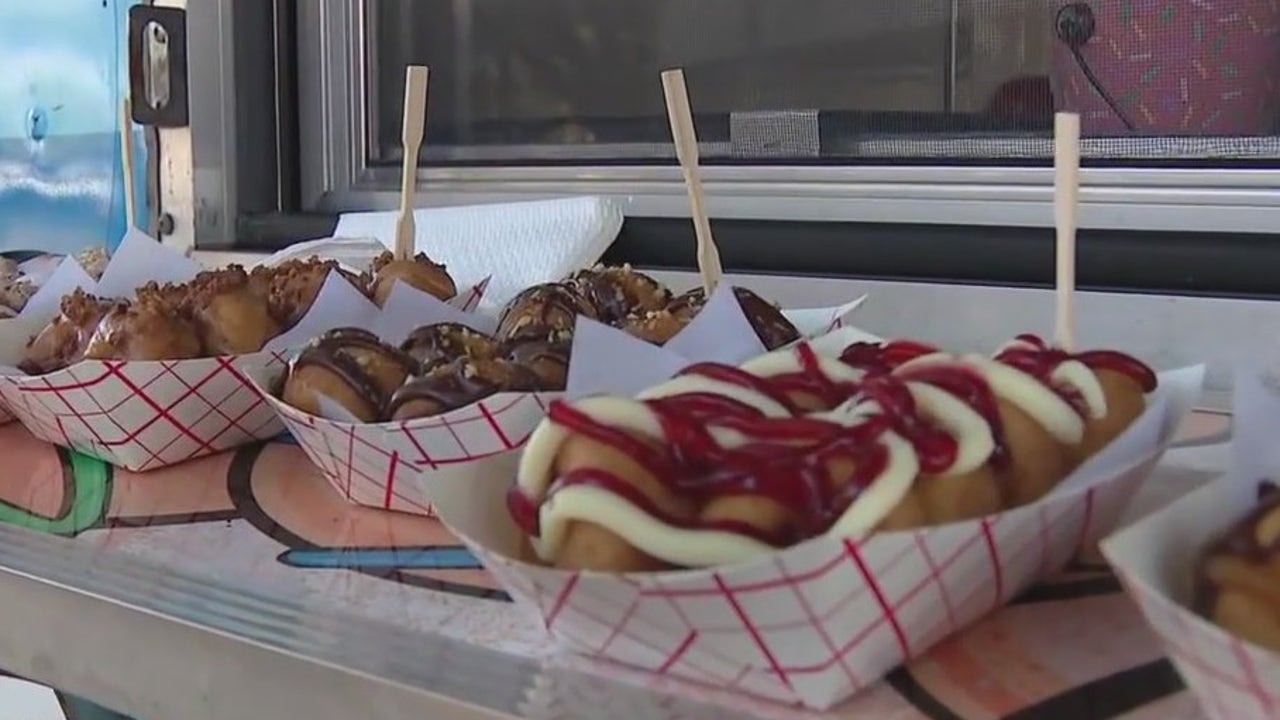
point(608, 360)
point(819, 621)
point(388, 465)
point(145, 415)
point(1156, 557)
point(65, 278)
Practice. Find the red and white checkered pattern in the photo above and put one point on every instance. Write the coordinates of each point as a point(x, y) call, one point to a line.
point(146, 415)
point(1233, 679)
point(383, 464)
point(820, 621)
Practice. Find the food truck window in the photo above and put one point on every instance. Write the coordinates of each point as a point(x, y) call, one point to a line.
point(895, 122)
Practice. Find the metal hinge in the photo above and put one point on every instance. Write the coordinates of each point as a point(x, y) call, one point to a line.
point(158, 65)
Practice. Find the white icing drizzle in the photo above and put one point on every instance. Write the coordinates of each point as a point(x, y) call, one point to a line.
point(1023, 391)
point(689, 384)
point(630, 415)
point(973, 435)
point(693, 547)
point(1080, 377)
point(788, 361)
point(1069, 374)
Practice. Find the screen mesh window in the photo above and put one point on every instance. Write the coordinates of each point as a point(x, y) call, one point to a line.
point(830, 81)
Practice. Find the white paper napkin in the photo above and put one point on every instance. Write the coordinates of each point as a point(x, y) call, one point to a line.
point(519, 244)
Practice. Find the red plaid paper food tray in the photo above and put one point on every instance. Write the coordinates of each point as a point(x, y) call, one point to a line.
point(383, 464)
point(1154, 559)
point(143, 415)
point(813, 624)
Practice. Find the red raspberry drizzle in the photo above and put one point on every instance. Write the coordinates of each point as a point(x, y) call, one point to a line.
point(971, 389)
point(1041, 360)
point(884, 357)
point(936, 449)
point(810, 381)
point(788, 460)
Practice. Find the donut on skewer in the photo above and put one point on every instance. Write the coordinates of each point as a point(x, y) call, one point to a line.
point(419, 272)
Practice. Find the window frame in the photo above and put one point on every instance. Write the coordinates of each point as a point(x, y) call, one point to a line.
point(336, 178)
point(302, 152)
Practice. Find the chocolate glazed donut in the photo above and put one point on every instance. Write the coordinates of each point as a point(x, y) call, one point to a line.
point(460, 383)
point(544, 312)
point(349, 366)
point(549, 360)
point(620, 292)
point(434, 346)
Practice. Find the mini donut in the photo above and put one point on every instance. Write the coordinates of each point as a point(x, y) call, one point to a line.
point(1237, 579)
point(772, 327)
point(591, 546)
point(546, 312)
point(1036, 423)
point(348, 366)
point(549, 361)
point(1106, 388)
point(150, 328)
point(656, 326)
point(230, 316)
point(419, 272)
point(1126, 398)
point(620, 292)
point(292, 286)
point(442, 343)
point(63, 341)
point(462, 382)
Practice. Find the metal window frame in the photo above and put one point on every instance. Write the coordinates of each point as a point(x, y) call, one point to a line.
point(335, 175)
point(328, 171)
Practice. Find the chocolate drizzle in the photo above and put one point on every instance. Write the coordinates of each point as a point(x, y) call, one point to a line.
point(463, 382)
point(434, 346)
point(331, 352)
point(546, 311)
point(531, 353)
point(620, 292)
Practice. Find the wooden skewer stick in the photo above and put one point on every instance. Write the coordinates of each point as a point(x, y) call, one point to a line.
point(127, 165)
point(686, 141)
point(412, 130)
point(1066, 205)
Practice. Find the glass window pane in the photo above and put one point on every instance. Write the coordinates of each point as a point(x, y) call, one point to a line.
point(838, 81)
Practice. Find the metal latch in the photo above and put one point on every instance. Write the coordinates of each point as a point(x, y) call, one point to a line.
point(158, 65)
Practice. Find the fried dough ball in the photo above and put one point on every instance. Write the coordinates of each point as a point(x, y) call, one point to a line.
point(231, 316)
point(419, 272)
point(350, 367)
point(291, 287)
point(63, 341)
point(152, 327)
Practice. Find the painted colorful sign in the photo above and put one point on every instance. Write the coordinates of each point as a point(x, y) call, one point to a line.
point(264, 514)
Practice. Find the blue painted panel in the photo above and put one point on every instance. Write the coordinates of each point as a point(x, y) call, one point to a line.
point(65, 74)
